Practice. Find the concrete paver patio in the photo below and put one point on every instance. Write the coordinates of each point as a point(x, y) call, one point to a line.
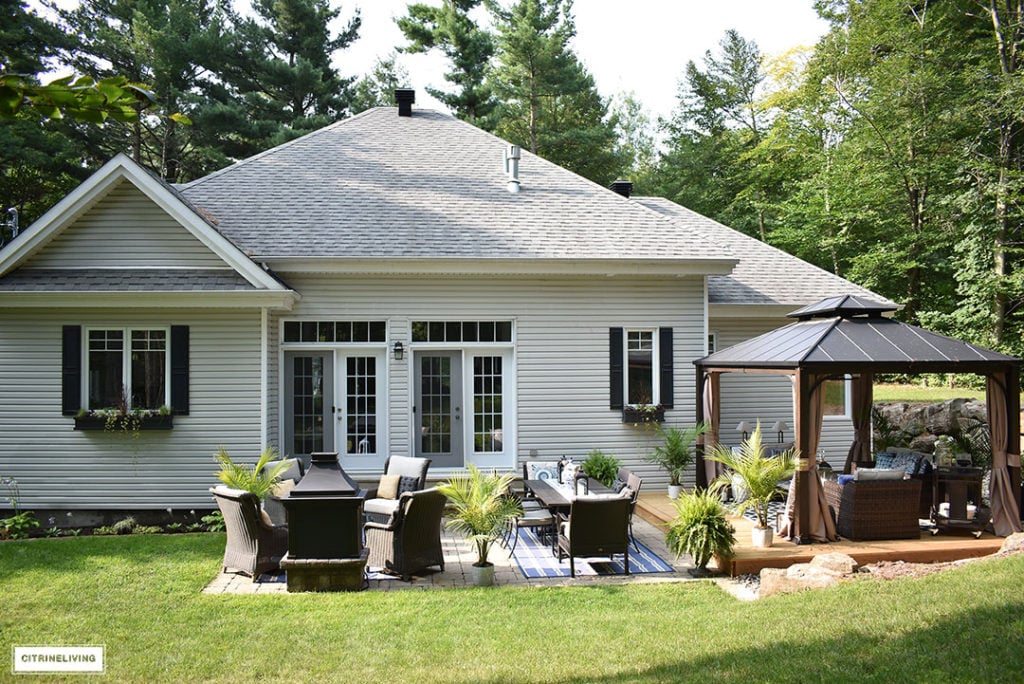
point(458, 559)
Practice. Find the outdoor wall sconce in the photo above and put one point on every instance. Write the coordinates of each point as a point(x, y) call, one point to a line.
point(780, 427)
point(399, 351)
point(744, 428)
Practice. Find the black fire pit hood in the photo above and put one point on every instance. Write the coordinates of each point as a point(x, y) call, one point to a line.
point(325, 477)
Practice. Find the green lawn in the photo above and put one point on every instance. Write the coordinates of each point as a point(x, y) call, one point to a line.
point(140, 597)
point(917, 393)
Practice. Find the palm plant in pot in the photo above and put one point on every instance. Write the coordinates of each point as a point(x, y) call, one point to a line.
point(257, 479)
point(700, 529)
point(759, 474)
point(675, 453)
point(481, 507)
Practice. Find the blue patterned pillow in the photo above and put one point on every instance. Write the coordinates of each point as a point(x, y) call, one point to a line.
point(541, 470)
point(885, 460)
point(843, 479)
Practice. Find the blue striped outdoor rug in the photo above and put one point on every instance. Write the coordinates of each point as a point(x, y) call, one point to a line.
point(535, 559)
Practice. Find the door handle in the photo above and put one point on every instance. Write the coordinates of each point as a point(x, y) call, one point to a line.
point(457, 410)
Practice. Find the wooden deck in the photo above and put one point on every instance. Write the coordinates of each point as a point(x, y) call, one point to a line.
point(945, 546)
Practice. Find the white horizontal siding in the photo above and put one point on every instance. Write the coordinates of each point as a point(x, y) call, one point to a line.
point(768, 398)
point(561, 353)
point(58, 467)
point(125, 230)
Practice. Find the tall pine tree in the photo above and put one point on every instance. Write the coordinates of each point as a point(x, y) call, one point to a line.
point(467, 47)
point(549, 102)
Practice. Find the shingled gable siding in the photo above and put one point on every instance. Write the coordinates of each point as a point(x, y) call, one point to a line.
point(768, 397)
point(125, 230)
point(58, 467)
point(561, 353)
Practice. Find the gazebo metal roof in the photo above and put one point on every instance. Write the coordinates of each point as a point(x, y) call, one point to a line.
point(851, 334)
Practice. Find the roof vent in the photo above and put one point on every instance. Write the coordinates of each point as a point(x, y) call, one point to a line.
point(512, 155)
point(404, 98)
point(622, 187)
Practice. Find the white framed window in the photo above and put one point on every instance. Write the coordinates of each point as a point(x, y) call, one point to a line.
point(641, 368)
point(838, 399)
point(127, 368)
point(712, 342)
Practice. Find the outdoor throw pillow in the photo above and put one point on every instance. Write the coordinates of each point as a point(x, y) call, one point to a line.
point(388, 488)
point(865, 474)
point(281, 489)
point(265, 517)
point(407, 484)
point(618, 485)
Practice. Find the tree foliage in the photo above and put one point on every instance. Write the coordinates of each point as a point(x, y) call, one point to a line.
point(549, 103)
point(467, 47)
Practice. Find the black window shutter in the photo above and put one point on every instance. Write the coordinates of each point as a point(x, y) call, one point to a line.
point(179, 369)
point(665, 356)
point(71, 372)
point(615, 367)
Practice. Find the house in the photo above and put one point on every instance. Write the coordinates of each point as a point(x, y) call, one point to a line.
point(397, 282)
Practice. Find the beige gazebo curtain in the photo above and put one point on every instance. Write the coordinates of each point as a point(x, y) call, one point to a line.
point(712, 414)
point(820, 527)
point(1005, 509)
point(860, 450)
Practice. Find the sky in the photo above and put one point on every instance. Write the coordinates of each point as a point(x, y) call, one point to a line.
point(639, 46)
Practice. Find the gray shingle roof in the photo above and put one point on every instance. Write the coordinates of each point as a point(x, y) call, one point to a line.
point(124, 280)
point(764, 274)
point(428, 186)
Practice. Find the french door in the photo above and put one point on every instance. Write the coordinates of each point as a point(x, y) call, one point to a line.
point(437, 378)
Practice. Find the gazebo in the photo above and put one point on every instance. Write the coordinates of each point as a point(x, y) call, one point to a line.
point(849, 336)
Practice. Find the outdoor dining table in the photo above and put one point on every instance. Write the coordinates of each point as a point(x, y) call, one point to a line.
point(558, 499)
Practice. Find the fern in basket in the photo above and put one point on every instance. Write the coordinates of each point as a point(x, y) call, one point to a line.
point(700, 528)
point(256, 479)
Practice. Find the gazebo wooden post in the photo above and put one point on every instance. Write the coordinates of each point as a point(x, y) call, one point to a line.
point(701, 475)
point(802, 518)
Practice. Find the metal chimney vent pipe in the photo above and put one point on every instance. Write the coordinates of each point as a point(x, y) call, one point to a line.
point(404, 98)
point(512, 156)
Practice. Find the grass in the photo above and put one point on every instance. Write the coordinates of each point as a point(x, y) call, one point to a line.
point(917, 393)
point(140, 597)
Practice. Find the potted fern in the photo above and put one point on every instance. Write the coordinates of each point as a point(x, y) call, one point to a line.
point(700, 529)
point(256, 479)
point(675, 453)
point(481, 507)
point(601, 467)
point(759, 475)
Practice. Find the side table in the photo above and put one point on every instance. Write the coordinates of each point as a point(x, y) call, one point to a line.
point(957, 486)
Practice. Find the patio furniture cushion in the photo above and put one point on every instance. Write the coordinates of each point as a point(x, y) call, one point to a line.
point(844, 478)
point(540, 470)
point(388, 487)
point(618, 485)
point(281, 489)
point(379, 509)
point(909, 461)
point(407, 483)
point(863, 474)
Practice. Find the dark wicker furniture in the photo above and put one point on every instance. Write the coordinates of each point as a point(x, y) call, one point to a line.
point(272, 504)
point(252, 547)
point(411, 540)
point(381, 510)
point(596, 526)
point(875, 509)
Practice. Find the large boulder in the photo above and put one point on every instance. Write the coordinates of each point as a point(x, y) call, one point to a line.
point(826, 570)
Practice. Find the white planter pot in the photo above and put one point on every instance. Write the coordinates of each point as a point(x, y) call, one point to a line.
point(482, 575)
point(674, 491)
point(762, 537)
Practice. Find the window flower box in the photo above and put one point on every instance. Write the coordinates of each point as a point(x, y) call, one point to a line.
point(124, 423)
point(643, 413)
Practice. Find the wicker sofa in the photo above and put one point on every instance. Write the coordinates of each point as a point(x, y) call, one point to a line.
point(875, 509)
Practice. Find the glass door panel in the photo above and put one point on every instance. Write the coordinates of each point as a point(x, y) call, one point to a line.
point(438, 407)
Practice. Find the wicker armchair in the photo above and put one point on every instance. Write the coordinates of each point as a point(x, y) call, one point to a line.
point(597, 526)
point(253, 547)
point(875, 509)
point(272, 504)
point(411, 540)
point(407, 467)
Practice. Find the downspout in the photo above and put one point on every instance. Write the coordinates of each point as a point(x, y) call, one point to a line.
point(264, 373)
